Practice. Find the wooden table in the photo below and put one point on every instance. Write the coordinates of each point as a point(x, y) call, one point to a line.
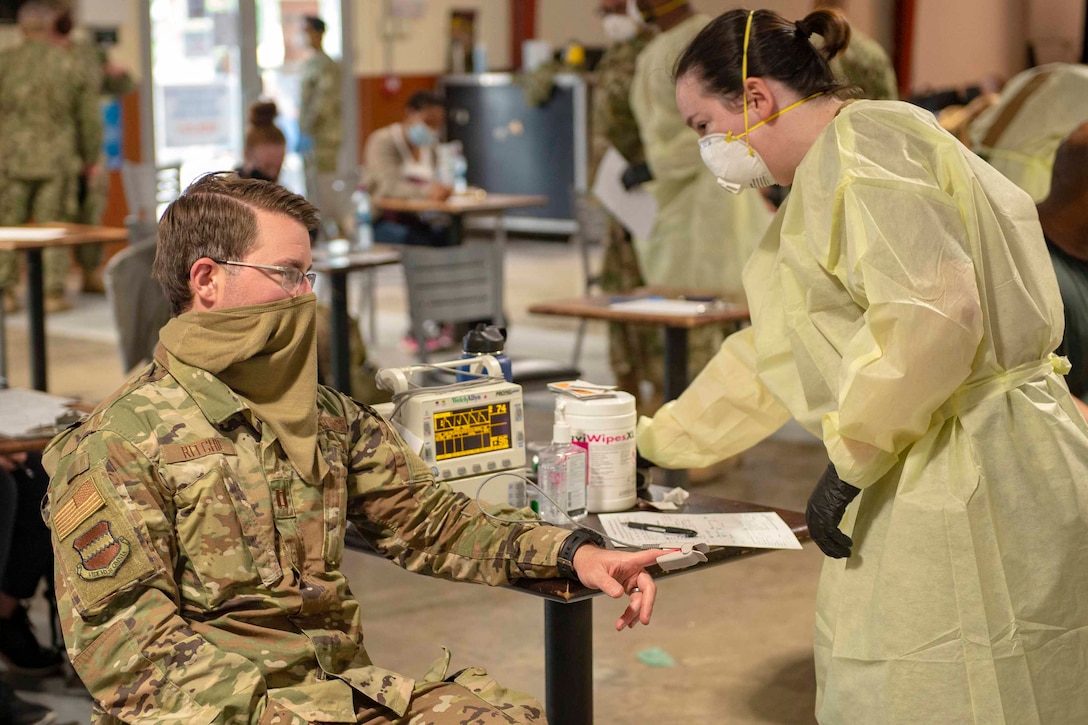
point(460, 206)
point(598, 307)
point(73, 234)
point(338, 266)
point(568, 609)
point(35, 443)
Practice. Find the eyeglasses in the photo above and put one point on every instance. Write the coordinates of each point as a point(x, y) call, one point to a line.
point(290, 278)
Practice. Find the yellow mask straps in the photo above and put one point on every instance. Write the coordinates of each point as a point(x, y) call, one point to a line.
point(744, 89)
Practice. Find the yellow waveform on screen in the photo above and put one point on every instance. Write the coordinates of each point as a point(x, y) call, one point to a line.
point(472, 430)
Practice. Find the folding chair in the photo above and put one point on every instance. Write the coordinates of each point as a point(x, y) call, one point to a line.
point(464, 284)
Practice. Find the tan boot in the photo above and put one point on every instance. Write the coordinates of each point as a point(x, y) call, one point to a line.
point(93, 283)
point(56, 302)
point(11, 301)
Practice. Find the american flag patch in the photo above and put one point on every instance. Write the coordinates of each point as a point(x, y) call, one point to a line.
point(84, 502)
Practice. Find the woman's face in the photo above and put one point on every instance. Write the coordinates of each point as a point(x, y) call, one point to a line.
point(267, 158)
point(708, 114)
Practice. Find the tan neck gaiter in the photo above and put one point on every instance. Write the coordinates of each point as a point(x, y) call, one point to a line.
point(266, 354)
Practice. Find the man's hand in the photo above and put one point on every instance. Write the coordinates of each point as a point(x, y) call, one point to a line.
point(616, 573)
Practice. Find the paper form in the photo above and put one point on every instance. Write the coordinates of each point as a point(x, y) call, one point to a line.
point(26, 413)
point(761, 530)
point(33, 234)
point(636, 209)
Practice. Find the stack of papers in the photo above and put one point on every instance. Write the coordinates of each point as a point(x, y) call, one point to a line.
point(583, 390)
point(33, 234)
point(668, 306)
point(30, 413)
point(761, 530)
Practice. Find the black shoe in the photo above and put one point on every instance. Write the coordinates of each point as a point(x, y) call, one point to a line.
point(20, 649)
point(16, 711)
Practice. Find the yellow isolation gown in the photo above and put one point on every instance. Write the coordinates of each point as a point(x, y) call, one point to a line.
point(701, 237)
point(904, 309)
point(1021, 133)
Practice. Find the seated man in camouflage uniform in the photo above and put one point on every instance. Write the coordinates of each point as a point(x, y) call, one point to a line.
point(198, 515)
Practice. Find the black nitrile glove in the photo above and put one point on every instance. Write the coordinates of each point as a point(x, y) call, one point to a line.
point(636, 174)
point(826, 506)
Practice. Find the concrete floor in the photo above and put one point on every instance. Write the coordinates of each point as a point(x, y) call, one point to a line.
point(740, 634)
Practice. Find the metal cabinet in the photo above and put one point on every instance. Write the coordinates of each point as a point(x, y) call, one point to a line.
point(513, 148)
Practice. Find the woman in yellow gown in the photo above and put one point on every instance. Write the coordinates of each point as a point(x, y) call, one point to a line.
point(905, 311)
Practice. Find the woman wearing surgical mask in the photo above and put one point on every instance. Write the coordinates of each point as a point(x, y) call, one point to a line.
point(904, 310)
point(400, 158)
point(400, 163)
point(265, 144)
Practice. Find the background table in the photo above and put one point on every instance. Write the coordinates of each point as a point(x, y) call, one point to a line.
point(459, 206)
point(73, 234)
point(598, 307)
point(338, 266)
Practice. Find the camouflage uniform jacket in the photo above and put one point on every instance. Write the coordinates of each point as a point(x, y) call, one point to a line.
point(866, 65)
point(44, 97)
point(319, 108)
point(198, 575)
point(613, 121)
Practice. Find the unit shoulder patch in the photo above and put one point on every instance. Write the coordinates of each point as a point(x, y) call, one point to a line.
point(101, 553)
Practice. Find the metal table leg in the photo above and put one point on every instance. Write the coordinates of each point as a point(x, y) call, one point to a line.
point(500, 251)
point(36, 314)
point(339, 353)
point(676, 379)
point(457, 230)
point(3, 344)
point(568, 662)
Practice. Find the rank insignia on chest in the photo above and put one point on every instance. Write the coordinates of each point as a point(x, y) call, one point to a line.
point(101, 553)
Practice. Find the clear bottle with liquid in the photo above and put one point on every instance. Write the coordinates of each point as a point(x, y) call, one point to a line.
point(460, 170)
point(561, 474)
point(364, 224)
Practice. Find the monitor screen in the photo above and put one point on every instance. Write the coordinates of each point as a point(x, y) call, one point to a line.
point(481, 429)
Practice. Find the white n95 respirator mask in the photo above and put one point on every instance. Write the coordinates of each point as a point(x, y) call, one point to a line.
point(736, 164)
point(620, 28)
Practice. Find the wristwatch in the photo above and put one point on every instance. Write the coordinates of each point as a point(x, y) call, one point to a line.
point(570, 545)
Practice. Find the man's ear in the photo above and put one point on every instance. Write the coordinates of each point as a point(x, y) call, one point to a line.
point(205, 281)
point(760, 99)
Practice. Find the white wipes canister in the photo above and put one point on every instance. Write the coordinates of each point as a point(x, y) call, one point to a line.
point(605, 427)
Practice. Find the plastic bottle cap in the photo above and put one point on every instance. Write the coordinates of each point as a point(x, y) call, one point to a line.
point(561, 432)
point(485, 339)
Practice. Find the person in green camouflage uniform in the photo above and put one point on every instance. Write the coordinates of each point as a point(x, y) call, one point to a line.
point(43, 97)
point(864, 63)
point(198, 515)
point(321, 127)
point(86, 196)
point(634, 351)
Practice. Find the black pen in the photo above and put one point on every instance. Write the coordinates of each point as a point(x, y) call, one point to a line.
point(661, 529)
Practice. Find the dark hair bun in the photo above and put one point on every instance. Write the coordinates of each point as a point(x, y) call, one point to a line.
point(263, 113)
point(830, 24)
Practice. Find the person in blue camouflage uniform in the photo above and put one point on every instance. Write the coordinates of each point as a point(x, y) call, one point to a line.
point(198, 515)
point(43, 97)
